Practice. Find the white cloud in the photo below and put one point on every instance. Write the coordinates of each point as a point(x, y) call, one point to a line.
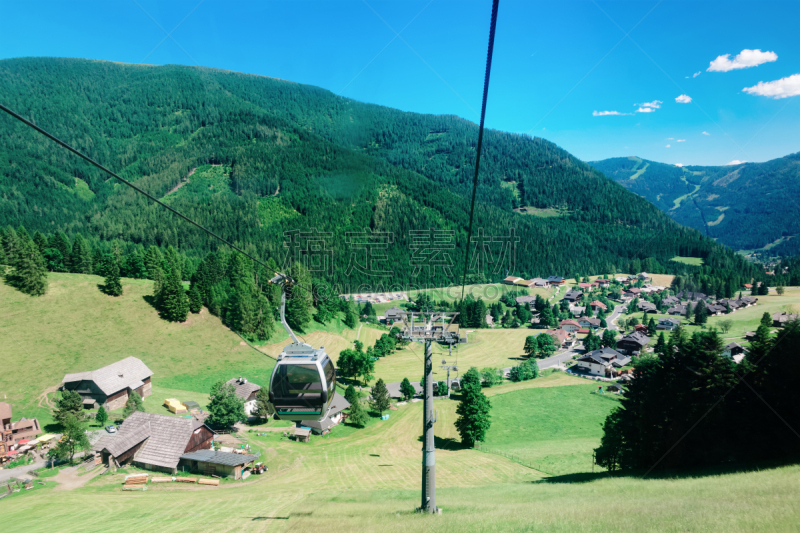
point(681, 140)
point(670, 138)
point(667, 146)
point(697, 73)
point(683, 99)
point(746, 59)
point(655, 104)
point(782, 88)
point(735, 162)
point(706, 133)
point(604, 113)
point(679, 164)
point(645, 110)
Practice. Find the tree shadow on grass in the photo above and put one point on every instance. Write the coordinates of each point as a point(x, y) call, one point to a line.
point(450, 444)
point(716, 470)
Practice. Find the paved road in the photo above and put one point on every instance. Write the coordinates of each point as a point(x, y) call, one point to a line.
point(611, 321)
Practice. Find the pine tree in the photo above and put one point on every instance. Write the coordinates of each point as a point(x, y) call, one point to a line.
point(60, 242)
point(40, 241)
point(12, 246)
point(30, 271)
point(766, 319)
point(473, 411)
point(133, 404)
point(380, 397)
point(195, 301)
point(101, 416)
point(407, 389)
point(70, 403)
point(299, 298)
point(153, 262)
point(661, 345)
point(357, 416)
point(351, 395)
point(173, 302)
point(113, 284)
point(81, 256)
point(701, 313)
point(651, 327)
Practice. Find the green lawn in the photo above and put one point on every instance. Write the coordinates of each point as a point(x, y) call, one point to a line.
point(555, 429)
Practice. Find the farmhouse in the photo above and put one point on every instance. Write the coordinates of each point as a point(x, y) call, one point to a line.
point(537, 282)
point(334, 417)
point(643, 275)
point(556, 281)
point(633, 343)
point(111, 385)
point(781, 319)
point(715, 309)
point(511, 280)
point(560, 337)
point(247, 391)
point(668, 323)
point(213, 463)
point(154, 442)
point(602, 362)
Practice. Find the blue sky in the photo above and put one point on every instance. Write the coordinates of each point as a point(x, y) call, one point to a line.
point(555, 63)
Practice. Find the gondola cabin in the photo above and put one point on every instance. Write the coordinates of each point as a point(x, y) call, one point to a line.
point(303, 383)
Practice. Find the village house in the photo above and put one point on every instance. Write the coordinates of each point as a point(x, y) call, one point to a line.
point(668, 324)
point(598, 305)
point(556, 281)
point(537, 282)
point(715, 309)
point(154, 442)
point(781, 319)
point(734, 351)
point(641, 328)
point(570, 326)
point(560, 337)
point(215, 463)
point(585, 286)
point(679, 310)
point(603, 282)
point(633, 343)
point(589, 322)
point(691, 296)
point(643, 276)
point(111, 385)
point(335, 416)
point(573, 296)
point(670, 300)
point(647, 307)
point(602, 362)
point(247, 391)
point(577, 310)
point(511, 280)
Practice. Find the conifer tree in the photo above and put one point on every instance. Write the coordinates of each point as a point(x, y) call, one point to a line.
point(40, 241)
point(60, 242)
point(133, 404)
point(357, 415)
point(113, 284)
point(380, 397)
point(661, 345)
point(30, 271)
point(153, 262)
point(11, 245)
point(407, 389)
point(351, 395)
point(173, 302)
point(195, 301)
point(81, 256)
point(299, 298)
point(701, 313)
point(101, 416)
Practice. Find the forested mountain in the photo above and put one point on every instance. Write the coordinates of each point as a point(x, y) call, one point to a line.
point(296, 157)
point(750, 206)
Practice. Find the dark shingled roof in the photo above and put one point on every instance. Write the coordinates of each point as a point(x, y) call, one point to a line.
point(244, 390)
point(219, 458)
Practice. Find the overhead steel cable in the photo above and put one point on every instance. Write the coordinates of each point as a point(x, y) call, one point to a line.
point(135, 188)
point(480, 140)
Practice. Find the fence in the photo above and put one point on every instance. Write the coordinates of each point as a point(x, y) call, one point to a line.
point(511, 457)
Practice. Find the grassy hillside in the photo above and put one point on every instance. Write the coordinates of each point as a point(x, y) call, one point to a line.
point(75, 327)
point(747, 206)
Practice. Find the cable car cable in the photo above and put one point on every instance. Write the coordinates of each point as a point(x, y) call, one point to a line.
point(480, 139)
point(137, 189)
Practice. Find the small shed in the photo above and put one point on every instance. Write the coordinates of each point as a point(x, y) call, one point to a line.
point(191, 406)
point(302, 434)
point(213, 463)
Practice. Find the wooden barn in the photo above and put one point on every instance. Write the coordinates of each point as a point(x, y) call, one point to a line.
point(154, 442)
point(213, 463)
point(111, 385)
